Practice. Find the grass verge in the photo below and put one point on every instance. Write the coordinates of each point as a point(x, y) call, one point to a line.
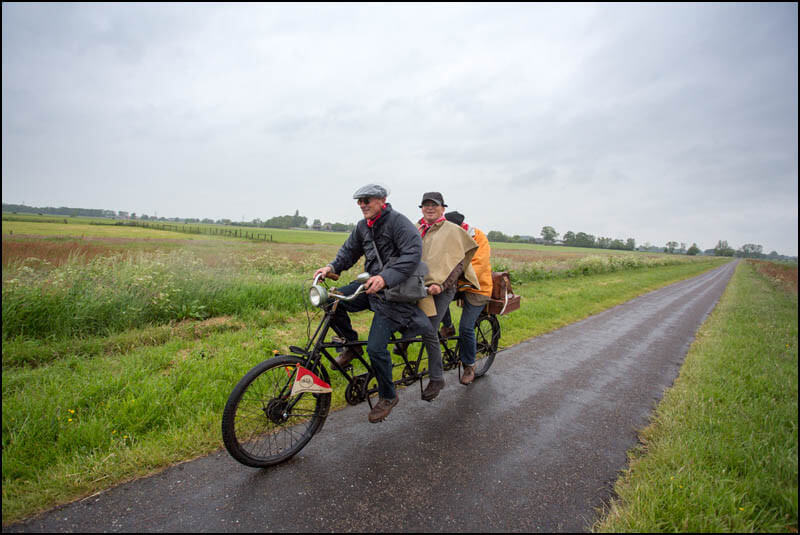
point(720, 454)
point(86, 421)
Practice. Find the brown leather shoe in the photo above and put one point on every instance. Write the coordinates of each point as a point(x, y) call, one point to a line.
point(433, 389)
point(348, 354)
point(382, 409)
point(468, 375)
point(447, 331)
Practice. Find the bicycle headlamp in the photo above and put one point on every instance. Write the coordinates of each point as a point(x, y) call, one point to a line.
point(318, 295)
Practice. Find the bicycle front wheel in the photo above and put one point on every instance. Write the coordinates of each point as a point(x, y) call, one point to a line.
point(263, 424)
point(487, 337)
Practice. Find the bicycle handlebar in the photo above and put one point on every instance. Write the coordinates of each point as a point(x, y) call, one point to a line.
point(318, 295)
point(350, 297)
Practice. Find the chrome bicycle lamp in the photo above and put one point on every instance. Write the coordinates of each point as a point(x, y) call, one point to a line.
point(318, 295)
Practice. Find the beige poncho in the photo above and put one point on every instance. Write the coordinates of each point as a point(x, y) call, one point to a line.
point(443, 247)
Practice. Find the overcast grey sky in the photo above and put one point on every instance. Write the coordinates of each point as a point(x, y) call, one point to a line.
point(656, 122)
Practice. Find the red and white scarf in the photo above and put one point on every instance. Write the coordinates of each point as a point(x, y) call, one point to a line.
point(371, 222)
point(424, 227)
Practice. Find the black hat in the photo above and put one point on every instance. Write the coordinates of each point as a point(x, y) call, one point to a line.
point(434, 196)
point(454, 217)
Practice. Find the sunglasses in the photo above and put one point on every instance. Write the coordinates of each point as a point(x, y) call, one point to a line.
point(428, 204)
point(364, 200)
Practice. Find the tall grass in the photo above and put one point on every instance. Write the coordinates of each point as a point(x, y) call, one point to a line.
point(721, 452)
point(589, 265)
point(111, 294)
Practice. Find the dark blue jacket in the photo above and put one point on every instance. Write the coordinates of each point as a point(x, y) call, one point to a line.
point(400, 247)
point(399, 244)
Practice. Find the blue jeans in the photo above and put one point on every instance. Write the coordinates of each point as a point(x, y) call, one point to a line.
point(379, 335)
point(466, 331)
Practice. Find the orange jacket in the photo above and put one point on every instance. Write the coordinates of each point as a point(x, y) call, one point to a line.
point(481, 263)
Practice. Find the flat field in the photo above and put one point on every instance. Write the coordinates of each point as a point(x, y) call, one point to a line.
point(120, 349)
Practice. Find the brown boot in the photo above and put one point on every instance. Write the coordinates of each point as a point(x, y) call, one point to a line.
point(447, 331)
point(348, 354)
point(382, 409)
point(468, 375)
point(433, 389)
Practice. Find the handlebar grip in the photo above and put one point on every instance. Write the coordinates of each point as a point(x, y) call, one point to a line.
point(332, 275)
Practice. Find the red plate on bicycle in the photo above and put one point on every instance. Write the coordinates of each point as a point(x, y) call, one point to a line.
point(307, 381)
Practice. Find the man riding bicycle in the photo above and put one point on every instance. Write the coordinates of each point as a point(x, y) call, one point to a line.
point(399, 243)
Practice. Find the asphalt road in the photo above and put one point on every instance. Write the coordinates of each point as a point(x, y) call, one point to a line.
point(535, 445)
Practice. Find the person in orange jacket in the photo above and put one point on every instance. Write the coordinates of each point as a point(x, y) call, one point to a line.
point(474, 299)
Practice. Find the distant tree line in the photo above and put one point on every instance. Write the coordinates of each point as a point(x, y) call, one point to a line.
point(580, 239)
point(62, 210)
point(297, 221)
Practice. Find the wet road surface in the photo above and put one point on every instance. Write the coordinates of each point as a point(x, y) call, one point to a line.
point(535, 445)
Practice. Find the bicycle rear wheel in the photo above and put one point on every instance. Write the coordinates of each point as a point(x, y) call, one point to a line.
point(262, 423)
point(487, 337)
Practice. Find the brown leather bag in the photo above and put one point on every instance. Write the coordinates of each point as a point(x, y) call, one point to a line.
point(503, 300)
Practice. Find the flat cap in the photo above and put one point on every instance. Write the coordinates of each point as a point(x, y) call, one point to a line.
point(371, 190)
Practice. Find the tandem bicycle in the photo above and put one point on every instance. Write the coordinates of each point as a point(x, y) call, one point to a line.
point(278, 406)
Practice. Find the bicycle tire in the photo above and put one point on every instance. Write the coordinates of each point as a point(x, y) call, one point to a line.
point(257, 428)
point(487, 338)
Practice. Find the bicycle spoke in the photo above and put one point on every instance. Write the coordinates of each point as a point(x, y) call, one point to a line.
point(262, 423)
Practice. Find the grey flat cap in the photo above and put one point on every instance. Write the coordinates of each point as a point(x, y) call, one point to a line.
point(371, 190)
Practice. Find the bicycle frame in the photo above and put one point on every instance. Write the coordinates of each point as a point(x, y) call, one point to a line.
point(316, 348)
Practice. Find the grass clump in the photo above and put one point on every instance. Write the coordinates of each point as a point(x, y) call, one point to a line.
point(110, 294)
point(592, 265)
point(721, 452)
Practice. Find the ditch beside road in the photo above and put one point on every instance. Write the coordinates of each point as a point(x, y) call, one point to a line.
point(535, 445)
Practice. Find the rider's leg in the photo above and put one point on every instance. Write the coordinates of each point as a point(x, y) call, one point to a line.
point(341, 320)
point(466, 332)
point(434, 350)
point(379, 335)
point(341, 323)
point(447, 321)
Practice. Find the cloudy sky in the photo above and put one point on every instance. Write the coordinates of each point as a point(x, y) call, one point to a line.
point(658, 122)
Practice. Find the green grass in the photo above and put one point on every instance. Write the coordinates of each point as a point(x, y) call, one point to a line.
point(87, 230)
point(105, 228)
point(111, 294)
point(111, 409)
point(721, 452)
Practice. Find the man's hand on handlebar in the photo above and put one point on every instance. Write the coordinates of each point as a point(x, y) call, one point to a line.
point(374, 284)
point(326, 272)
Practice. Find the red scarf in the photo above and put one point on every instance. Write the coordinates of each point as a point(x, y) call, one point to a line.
point(371, 222)
point(424, 227)
point(465, 226)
